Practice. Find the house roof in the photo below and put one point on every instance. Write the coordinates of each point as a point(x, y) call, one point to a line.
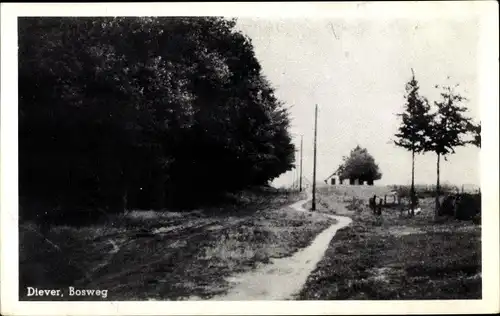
point(333, 174)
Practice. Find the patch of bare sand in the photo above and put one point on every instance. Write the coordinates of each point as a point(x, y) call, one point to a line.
point(283, 277)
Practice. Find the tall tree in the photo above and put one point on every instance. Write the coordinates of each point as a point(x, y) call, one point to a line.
point(415, 121)
point(359, 165)
point(447, 129)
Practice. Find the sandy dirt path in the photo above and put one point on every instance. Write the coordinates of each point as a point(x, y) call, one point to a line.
point(283, 278)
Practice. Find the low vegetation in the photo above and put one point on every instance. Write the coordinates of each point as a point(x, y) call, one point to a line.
point(423, 191)
point(394, 256)
point(168, 255)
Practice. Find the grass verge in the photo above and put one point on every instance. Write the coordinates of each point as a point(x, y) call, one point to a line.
point(394, 257)
point(166, 255)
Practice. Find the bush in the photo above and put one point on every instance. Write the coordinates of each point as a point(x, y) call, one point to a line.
point(477, 219)
point(463, 206)
point(356, 205)
point(468, 206)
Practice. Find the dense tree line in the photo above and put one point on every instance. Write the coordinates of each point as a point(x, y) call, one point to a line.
point(146, 112)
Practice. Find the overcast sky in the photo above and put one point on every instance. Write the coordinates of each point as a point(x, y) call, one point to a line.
point(356, 70)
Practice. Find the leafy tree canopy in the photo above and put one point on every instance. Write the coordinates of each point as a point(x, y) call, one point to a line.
point(449, 126)
point(475, 131)
point(153, 111)
point(415, 120)
point(359, 165)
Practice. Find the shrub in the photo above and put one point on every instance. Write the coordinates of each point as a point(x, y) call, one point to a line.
point(468, 206)
point(477, 219)
point(463, 206)
point(356, 205)
point(447, 206)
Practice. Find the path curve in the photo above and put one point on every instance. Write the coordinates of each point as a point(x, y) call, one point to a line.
point(284, 277)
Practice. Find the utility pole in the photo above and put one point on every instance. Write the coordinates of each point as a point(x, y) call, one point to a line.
point(300, 180)
point(313, 208)
point(295, 185)
point(297, 177)
point(294, 178)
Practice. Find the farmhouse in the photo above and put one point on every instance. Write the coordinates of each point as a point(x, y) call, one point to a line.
point(334, 179)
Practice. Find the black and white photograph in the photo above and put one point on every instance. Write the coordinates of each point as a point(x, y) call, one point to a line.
point(242, 157)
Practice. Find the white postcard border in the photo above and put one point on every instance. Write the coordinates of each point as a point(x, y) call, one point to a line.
point(488, 76)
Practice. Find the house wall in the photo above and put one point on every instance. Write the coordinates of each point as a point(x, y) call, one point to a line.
point(335, 180)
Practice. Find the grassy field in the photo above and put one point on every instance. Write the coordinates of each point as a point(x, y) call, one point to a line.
point(393, 256)
point(167, 255)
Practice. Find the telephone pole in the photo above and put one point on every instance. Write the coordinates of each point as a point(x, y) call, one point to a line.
point(313, 207)
point(297, 177)
point(300, 180)
point(294, 178)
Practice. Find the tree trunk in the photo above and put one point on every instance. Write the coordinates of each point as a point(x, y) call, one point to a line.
point(437, 187)
point(412, 190)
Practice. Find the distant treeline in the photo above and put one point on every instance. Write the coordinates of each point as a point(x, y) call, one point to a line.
point(119, 113)
point(430, 190)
